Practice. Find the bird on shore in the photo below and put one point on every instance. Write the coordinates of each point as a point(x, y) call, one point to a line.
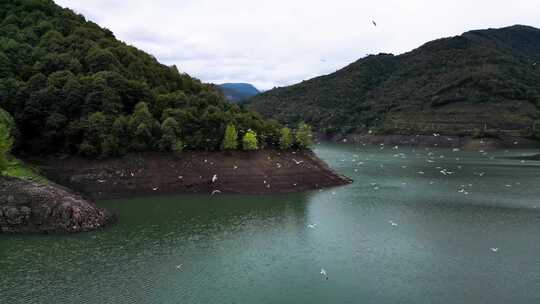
point(214, 178)
point(324, 274)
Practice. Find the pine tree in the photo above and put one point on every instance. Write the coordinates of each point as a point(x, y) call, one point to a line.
point(230, 141)
point(285, 139)
point(250, 140)
point(304, 137)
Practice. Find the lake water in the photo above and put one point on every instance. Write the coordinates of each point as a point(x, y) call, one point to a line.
point(394, 236)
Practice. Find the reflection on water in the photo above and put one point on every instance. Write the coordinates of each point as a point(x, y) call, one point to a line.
point(262, 249)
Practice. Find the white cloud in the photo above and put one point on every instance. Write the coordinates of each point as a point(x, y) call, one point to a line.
point(281, 42)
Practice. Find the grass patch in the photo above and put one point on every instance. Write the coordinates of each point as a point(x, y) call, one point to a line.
point(22, 170)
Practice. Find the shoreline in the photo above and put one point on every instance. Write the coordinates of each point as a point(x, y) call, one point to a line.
point(441, 141)
point(241, 172)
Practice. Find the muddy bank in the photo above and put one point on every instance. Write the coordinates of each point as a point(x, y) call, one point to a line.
point(256, 172)
point(466, 142)
point(31, 207)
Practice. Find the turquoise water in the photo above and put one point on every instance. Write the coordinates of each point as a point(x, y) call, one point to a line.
point(394, 236)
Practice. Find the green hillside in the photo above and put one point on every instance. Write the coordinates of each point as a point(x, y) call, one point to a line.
point(486, 79)
point(72, 87)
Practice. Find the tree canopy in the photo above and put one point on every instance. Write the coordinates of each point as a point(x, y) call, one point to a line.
point(6, 142)
point(304, 137)
point(249, 141)
point(286, 139)
point(73, 88)
point(230, 142)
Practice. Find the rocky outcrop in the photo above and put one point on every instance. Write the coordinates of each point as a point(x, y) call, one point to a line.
point(255, 172)
point(27, 206)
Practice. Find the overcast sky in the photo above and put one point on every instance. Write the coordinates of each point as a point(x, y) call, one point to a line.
point(282, 42)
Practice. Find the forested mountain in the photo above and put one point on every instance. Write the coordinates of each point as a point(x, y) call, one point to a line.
point(238, 92)
point(72, 87)
point(486, 79)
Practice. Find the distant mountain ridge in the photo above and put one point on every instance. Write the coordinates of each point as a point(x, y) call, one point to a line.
point(238, 92)
point(483, 79)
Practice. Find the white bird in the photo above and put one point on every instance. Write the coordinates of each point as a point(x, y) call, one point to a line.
point(179, 266)
point(215, 192)
point(214, 178)
point(155, 189)
point(297, 162)
point(495, 249)
point(324, 273)
point(394, 224)
point(312, 226)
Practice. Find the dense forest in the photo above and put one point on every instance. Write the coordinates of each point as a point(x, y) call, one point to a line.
point(481, 79)
point(71, 87)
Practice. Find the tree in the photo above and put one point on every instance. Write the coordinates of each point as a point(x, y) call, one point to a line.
point(6, 142)
point(304, 137)
point(178, 147)
point(170, 134)
point(58, 70)
point(285, 139)
point(230, 141)
point(141, 138)
point(249, 140)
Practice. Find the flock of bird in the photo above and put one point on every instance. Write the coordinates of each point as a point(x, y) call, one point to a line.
point(446, 165)
point(432, 159)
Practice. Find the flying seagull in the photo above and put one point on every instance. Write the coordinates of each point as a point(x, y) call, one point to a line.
point(324, 274)
point(374, 23)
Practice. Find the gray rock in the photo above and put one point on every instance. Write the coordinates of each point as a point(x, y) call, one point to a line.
point(27, 206)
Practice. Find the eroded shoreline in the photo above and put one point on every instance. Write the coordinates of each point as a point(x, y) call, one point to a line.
point(260, 172)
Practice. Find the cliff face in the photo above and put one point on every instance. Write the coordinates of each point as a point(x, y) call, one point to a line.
point(203, 172)
point(31, 207)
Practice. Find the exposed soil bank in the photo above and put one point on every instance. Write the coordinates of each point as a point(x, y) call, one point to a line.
point(466, 142)
point(255, 172)
point(33, 207)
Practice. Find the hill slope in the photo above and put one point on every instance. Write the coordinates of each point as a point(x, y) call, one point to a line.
point(485, 79)
point(72, 87)
point(238, 92)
